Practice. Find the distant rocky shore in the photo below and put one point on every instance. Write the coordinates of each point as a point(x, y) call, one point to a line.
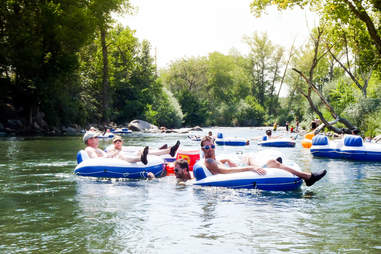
point(15, 127)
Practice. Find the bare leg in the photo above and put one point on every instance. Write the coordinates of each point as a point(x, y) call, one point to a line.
point(141, 156)
point(159, 152)
point(276, 164)
point(127, 158)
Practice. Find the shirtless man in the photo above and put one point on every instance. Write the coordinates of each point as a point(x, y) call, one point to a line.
point(218, 167)
point(182, 171)
point(91, 140)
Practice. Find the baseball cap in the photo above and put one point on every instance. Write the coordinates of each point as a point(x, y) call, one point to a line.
point(117, 138)
point(89, 134)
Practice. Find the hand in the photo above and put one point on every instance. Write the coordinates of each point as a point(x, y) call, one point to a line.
point(260, 171)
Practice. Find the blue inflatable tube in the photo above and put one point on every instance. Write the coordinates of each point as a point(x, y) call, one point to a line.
point(116, 168)
point(351, 148)
point(275, 179)
point(278, 143)
point(220, 140)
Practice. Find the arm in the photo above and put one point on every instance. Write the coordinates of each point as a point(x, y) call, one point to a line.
point(229, 162)
point(91, 152)
point(215, 168)
point(112, 153)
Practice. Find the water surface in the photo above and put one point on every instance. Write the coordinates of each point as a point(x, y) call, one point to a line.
point(47, 209)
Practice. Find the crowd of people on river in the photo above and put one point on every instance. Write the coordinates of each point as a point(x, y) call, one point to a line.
point(181, 166)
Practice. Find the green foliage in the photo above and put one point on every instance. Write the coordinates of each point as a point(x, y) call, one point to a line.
point(194, 108)
point(165, 112)
point(357, 112)
point(39, 45)
point(340, 97)
point(249, 112)
point(372, 124)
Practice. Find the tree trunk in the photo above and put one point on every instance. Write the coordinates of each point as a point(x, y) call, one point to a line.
point(328, 106)
point(105, 81)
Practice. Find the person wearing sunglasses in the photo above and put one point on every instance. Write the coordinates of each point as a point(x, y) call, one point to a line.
point(219, 167)
point(182, 171)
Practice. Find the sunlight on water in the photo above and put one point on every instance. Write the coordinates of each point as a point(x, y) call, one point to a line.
point(47, 209)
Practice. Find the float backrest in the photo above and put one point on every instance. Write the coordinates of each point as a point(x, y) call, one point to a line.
point(352, 140)
point(320, 140)
point(309, 135)
point(81, 156)
point(200, 171)
point(220, 135)
point(264, 138)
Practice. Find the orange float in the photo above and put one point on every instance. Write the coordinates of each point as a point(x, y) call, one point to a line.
point(307, 141)
point(190, 156)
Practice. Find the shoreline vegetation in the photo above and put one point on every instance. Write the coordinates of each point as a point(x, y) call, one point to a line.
point(59, 78)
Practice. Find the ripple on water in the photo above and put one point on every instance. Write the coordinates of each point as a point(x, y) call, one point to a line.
point(47, 209)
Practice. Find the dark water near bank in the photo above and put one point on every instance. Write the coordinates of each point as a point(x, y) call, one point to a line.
point(47, 209)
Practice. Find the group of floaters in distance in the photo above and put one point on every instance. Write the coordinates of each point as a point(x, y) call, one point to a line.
point(252, 170)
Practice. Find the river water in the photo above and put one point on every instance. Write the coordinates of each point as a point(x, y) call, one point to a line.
point(47, 209)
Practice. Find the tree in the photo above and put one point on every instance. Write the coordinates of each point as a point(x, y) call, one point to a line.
point(266, 60)
point(318, 53)
point(39, 45)
point(339, 11)
point(102, 10)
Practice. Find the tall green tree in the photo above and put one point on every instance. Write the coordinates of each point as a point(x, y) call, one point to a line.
point(39, 45)
point(102, 11)
point(266, 64)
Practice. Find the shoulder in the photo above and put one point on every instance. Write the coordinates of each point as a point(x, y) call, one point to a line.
point(89, 149)
point(210, 161)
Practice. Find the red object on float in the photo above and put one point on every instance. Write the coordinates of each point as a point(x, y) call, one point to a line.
point(170, 167)
point(190, 156)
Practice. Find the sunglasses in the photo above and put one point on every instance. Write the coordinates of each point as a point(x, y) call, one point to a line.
point(207, 147)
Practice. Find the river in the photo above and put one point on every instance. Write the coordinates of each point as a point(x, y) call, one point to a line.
point(47, 209)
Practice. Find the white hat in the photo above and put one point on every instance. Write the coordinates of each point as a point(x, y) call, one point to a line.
point(90, 134)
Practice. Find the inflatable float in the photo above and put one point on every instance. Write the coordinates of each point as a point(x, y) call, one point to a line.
point(116, 168)
point(351, 147)
point(274, 180)
point(106, 135)
point(220, 140)
point(277, 142)
point(307, 141)
point(121, 131)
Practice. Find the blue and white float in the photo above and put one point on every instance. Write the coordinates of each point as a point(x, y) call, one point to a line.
point(220, 140)
point(106, 136)
point(122, 131)
point(277, 142)
point(116, 168)
point(275, 179)
point(350, 147)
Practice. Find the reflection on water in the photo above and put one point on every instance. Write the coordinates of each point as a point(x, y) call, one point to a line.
point(46, 209)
